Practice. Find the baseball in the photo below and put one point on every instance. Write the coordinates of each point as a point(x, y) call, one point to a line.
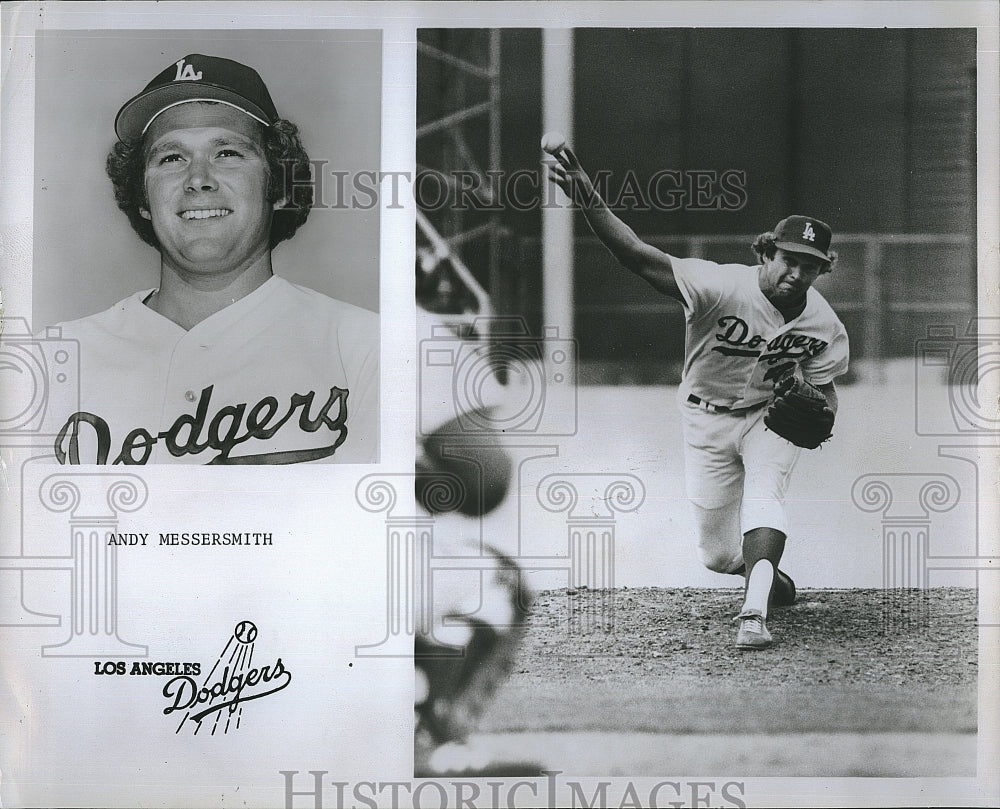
point(552, 142)
point(245, 632)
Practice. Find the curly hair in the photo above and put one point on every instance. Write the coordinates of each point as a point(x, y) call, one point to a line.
point(764, 247)
point(289, 177)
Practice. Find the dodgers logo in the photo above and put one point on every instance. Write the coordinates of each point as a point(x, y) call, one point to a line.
point(186, 72)
point(737, 340)
point(220, 429)
point(808, 233)
point(231, 683)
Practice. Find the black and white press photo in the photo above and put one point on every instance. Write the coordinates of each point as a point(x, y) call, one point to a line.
point(216, 286)
point(191, 255)
point(463, 405)
point(704, 305)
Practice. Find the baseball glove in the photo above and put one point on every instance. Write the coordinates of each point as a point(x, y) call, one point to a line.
point(799, 412)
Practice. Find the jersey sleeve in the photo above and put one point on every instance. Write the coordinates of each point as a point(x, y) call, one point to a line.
point(831, 362)
point(702, 283)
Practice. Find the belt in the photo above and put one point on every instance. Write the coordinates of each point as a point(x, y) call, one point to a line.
point(714, 408)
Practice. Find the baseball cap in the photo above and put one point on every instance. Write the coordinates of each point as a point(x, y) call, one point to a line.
point(803, 234)
point(196, 78)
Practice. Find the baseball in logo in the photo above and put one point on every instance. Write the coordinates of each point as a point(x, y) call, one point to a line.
point(232, 682)
point(246, 632)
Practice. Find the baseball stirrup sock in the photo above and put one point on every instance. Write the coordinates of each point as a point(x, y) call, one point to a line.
point(759, 587)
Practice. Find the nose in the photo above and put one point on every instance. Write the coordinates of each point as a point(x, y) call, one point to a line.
point(199, 176)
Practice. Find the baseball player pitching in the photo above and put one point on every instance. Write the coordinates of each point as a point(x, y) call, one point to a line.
point(223, 362)
point(762, 350)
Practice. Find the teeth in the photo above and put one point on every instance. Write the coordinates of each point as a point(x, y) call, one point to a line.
point(205, 214)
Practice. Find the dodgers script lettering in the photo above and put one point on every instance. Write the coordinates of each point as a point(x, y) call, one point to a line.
point(230, 426)
point(737, 341)
point(227, 692)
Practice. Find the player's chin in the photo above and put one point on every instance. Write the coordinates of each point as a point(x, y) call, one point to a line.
point(787, 293)
point(207, 257)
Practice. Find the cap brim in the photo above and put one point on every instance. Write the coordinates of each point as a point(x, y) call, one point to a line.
point(136, 114)
point(795, 247)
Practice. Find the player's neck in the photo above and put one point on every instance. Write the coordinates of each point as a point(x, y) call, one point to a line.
point(790, 311)
point(189, 298)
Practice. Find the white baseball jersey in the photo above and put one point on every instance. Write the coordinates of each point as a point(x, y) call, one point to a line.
point(284, 375)
point(737, 343)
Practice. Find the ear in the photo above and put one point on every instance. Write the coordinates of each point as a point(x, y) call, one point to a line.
point(145, 214)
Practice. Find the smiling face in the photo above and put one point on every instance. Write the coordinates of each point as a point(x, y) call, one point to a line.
point(785, 278)
point(206, 181)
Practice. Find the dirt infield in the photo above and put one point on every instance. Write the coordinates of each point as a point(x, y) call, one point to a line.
point(858, 682)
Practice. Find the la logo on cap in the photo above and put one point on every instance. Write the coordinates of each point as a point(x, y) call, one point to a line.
point(186, 72)
point(803, 234)
point(196, 77)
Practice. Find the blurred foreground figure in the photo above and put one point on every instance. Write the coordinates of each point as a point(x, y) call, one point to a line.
point(478, 616)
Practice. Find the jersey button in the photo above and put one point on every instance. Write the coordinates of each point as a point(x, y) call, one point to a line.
point(190, 396)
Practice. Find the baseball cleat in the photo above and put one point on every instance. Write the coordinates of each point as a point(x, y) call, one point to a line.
point(752, 633)
point(783, 591)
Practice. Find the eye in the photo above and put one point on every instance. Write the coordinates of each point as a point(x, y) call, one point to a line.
point(230, 153)
point(172, 157)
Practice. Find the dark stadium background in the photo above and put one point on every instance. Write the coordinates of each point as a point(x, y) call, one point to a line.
point(872, 130)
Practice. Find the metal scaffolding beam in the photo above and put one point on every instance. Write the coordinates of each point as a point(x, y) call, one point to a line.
point(468, 72)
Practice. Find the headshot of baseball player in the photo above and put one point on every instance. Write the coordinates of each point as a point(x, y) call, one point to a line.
point(223, 361)
point(762, 350)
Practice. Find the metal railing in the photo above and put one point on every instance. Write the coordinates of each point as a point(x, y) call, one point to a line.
point(875, 294)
